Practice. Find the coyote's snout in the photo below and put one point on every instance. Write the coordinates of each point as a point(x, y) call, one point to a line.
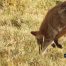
point(52, 27)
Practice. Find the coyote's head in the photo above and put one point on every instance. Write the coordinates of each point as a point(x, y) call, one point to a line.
point(41, 40)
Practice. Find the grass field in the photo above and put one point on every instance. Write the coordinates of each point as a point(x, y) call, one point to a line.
point(17, 46)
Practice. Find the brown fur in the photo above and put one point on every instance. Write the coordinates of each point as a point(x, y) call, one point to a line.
point(53, 21)
point(53, 26)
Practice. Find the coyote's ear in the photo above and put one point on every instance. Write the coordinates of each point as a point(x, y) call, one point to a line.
point(34, 32)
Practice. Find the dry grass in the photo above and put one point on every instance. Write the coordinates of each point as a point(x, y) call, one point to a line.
point(17, 46)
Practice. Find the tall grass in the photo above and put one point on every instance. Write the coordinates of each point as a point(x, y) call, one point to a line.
point(17, 46)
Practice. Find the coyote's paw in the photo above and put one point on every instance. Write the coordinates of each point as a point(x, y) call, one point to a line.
point(53, 45)
point(59, 46)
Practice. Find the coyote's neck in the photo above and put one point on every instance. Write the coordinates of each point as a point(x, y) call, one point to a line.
point(48, 31)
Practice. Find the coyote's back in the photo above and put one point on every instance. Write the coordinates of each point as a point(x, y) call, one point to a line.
point(52, 27)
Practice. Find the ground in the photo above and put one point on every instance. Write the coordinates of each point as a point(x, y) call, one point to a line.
point(17, 46)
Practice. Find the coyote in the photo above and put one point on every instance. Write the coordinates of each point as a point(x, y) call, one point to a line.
point(52, 27)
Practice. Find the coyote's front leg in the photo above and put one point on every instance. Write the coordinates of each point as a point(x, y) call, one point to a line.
point(60, 34)
point(57, 44)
